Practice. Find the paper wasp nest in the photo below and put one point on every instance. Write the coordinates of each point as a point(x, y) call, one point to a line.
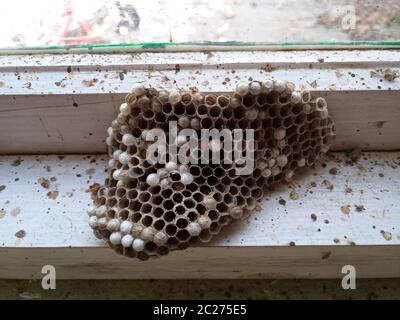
point(147, 209)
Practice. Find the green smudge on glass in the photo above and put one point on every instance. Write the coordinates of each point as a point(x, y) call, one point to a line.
point(201, 46)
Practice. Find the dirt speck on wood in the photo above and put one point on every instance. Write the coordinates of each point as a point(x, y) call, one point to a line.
point(312, 184)
point(16, 211)
point(345, 209)
point(94, 188)
point(386, 235)
point(45, 183)
point(333, 171)
point(52, 194)
point(20, 234)
point(2, 187)
point(387, 74)
point(348, 190)
point(16, 162)
point(379, 124)
point(90, 171)
point(89, 83)
point(313, 84)
point(294, 195)
point(325, 255)
point(353, 156)
point(328, 184)
point(359, 207)
point(338, 74)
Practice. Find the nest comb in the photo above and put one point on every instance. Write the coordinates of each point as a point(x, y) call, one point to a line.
point(148, 209)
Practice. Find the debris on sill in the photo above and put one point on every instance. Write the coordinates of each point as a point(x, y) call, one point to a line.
point(387, 74)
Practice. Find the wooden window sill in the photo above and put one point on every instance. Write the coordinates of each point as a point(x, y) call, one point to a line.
point(62, 105)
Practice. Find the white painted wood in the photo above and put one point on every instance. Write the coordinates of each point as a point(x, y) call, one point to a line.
point(209, 72)
point(52, 124)
point(56, 230)
point(62, 222)
point(199, 58)
point(47, 107)
point(64, 103)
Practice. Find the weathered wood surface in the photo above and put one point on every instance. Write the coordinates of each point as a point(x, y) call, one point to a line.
point(205, 262)
point(77, 124)
point(64, 103)
point(342, 212)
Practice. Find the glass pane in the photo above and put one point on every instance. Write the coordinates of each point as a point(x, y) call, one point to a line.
point(55, 23)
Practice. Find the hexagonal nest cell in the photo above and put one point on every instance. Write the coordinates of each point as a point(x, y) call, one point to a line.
point(147, 209)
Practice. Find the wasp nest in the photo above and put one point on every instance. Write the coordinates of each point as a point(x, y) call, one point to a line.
point(147, 209)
